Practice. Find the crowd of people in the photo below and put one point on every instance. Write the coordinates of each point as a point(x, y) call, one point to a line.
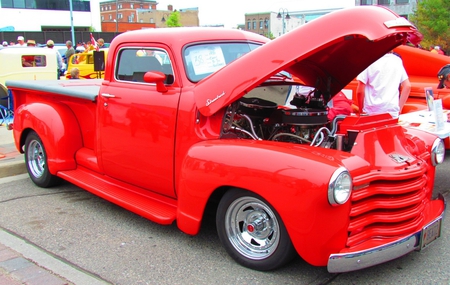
point(81, 47)
point(71, 49)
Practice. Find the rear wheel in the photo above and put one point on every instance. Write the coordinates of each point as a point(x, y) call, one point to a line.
point(252, 232)
point(36, 162)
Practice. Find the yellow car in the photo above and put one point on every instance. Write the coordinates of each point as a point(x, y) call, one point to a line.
point(84, 61)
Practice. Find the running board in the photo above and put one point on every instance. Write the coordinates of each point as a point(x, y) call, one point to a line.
point(157, 208)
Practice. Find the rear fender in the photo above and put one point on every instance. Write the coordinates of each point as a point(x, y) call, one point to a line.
point(58, 129)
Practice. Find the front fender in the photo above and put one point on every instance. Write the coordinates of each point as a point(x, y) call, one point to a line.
point(57, 127)
point(292, 178)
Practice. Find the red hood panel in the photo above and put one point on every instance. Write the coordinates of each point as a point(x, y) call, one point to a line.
point(326, 53)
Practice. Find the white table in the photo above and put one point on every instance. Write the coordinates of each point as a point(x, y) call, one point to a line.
point(424, 120)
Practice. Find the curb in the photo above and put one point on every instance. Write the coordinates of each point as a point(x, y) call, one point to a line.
point(26, 263)
point(12, 167)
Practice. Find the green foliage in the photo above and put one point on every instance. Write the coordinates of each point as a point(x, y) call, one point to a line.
point(174, 20)
point(432, 18)
point(270, 35)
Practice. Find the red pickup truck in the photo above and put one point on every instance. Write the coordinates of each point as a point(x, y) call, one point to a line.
point(189, 119)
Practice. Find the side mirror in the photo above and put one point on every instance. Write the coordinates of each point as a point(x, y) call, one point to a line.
point(158, 78)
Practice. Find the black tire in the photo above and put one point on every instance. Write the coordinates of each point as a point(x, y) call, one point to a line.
point(252, 232)
point(36, 162)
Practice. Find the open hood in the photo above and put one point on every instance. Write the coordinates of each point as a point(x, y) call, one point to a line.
point(326, 53)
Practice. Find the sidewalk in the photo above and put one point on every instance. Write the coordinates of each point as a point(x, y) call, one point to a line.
point(20, 261)
point(11, 161)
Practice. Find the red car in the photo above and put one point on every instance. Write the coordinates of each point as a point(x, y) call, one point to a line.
point(209, 125)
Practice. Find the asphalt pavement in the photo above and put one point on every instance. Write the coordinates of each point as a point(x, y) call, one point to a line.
point(22, 262)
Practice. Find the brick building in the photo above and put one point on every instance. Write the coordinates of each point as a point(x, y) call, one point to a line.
point(122, 15)
point(125, 15)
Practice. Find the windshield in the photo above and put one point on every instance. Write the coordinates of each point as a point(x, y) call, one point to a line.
point(204, 59)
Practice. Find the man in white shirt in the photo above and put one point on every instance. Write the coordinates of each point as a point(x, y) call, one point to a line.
point(59, 61)
point(21, 41)
point(379, 86)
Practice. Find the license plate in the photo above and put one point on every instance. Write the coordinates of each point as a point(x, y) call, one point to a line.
point(430, 233)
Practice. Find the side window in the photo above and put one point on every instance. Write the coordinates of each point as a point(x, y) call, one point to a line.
point(34, 60)
point(133, 63)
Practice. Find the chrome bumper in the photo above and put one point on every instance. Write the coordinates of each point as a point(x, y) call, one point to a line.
point(352, 261)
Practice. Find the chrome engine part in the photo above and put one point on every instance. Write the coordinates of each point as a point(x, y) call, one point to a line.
point(259, 119)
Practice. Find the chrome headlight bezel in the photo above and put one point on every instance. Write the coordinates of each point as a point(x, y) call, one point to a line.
point(437, 152)
point(340, 187)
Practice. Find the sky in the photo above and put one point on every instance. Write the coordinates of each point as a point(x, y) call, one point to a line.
point(230, 13)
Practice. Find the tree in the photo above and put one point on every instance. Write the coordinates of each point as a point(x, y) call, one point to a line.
point(174, 20)
point(432, 18)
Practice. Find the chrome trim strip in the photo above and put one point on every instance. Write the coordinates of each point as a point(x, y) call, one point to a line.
point(351, 261)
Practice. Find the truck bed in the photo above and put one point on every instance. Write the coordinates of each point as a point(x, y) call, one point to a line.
point(84, 89)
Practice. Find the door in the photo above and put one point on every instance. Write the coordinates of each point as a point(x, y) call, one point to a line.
point(137, 123)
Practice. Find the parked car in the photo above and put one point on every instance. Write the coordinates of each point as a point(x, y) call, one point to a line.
point(27, 63)
point(210, 130)
point(84, 61)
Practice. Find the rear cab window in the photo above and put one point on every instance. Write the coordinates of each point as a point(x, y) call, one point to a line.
point(134, 62)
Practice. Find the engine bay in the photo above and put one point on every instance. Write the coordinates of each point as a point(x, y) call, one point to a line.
point(292, 114)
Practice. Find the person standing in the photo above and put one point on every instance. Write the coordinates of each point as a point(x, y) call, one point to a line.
point(74, 73)
point(70, 51)
point(59, 61)
point(444, 82)
point(21, 41)
point(101, 43)
point(31, 43)
point(384, 86)
point(444, 77)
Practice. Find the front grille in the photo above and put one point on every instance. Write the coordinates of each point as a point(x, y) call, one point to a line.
point(387, 205)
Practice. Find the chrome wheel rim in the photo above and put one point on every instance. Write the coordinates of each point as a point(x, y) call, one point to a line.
point(36, 159)
point(252, 228)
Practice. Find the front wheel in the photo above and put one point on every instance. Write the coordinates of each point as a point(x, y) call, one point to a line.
point(252, 232)
point(36, 162)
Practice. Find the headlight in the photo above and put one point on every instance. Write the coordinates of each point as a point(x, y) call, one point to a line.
point(437, 152)
point(340, 187)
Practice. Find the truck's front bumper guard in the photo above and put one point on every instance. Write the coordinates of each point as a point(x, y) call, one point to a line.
point(352, 261)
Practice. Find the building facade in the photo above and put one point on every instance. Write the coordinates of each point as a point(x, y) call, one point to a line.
point(274, 24)
point(402, 7)
point(54, 15)
point(188, 17)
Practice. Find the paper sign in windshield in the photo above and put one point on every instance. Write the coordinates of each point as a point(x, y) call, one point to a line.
point(207, 60)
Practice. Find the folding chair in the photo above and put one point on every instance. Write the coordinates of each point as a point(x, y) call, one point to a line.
point(6, 109)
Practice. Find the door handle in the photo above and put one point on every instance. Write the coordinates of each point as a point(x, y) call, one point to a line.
point(108, 95)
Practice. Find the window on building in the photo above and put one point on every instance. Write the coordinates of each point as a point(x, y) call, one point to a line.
point(120, 16)
point(120, 6)
point(401, 1)
point(131, 5)
point(110, 17)
point(254, 24)
point(30, 4)
point(77, 5)
point(103, 18)
point(261, 26)
point(384, 2)
point(249, 25)
point(366, 2)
